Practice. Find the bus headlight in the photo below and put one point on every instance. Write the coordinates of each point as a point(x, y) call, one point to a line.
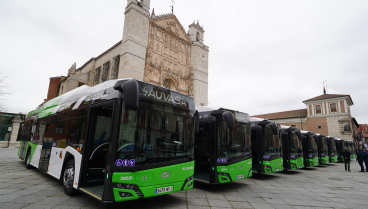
point(224, 175)
point(190, 178)
point(125, 186)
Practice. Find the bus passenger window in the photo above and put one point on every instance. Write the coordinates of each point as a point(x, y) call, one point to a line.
point(60, 136)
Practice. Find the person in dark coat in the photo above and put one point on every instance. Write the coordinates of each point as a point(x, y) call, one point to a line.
point(365, 159)
point(346, 155)
point(359, 159)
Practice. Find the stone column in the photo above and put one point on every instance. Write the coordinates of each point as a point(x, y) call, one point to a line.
point(14, 133)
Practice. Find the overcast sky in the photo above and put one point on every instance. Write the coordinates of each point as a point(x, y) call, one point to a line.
point(265, 56)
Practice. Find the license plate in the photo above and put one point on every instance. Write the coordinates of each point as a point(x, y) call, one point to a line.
point(240, 176)
point(277, 169)
point(164, 189)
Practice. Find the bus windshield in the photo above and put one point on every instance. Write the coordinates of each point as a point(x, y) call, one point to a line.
point(271, 143)
point(324, 147)
point(312, 146)
point(296, 149)
point(333, 148)
point(154, 133)
point(233, 143)
point(350, 147)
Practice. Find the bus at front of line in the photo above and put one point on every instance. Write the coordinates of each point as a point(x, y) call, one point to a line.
point(310, 149)
point(332, 149)
point(292, 148)
point(266, 146)
point(222, 146)
point(322, 149)
point(119, 140)
point(340, 146)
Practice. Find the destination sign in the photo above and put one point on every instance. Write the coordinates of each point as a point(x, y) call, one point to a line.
point(241, 117)
point(166, 96)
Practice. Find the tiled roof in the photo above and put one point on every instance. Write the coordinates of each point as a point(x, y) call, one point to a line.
point(326, 96)
point(286, 114)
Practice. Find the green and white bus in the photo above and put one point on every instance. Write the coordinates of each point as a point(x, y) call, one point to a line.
point(292, 148)
point(266, 146)
point(117, 141)
point(222, 146)
point(310, 149)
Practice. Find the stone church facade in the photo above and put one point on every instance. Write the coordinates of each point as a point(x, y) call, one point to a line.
point(155, 49)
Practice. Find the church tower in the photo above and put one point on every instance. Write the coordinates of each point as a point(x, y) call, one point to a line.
point(135, 40)
point(199, 58)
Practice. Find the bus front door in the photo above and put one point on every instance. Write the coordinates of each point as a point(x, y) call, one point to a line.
point(96, 153)
point(202, 153)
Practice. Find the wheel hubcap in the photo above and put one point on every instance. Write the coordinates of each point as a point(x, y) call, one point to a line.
point(68, 177)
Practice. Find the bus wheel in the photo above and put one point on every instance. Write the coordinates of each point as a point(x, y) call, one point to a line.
point(68, 178)
point(28, 160)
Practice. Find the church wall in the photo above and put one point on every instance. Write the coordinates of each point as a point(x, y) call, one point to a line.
point(313, 123)
point(135, 41)
point(336, 127)
point(53, 87)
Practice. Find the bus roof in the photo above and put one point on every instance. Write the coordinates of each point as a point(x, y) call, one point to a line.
point(105, 90)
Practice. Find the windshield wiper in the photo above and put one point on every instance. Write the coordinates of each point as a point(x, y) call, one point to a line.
point(144, 164)
point(154, 158)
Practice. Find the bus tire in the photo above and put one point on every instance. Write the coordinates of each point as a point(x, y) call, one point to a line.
point(68, 178)
point(28, 160)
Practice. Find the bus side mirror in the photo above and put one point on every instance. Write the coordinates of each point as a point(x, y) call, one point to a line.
point(274, 128)
point(131, 94)
point(298, 133)
point(196, 114)
point(229, 118)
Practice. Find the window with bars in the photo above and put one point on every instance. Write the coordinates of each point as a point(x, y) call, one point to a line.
point(115, 67)
point(167, 83)
point(333, 107)
point(97, 76)
point(318, 109)
point(105, 71)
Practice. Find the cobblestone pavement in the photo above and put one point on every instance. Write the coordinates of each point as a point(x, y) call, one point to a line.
point(328, 186)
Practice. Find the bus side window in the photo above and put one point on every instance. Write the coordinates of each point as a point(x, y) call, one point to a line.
point(60, 135)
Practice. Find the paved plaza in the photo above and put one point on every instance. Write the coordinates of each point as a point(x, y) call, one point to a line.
point(326, 186)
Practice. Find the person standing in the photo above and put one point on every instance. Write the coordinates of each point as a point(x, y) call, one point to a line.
point(359, 159)
point(365, 159)
point(346, 156)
